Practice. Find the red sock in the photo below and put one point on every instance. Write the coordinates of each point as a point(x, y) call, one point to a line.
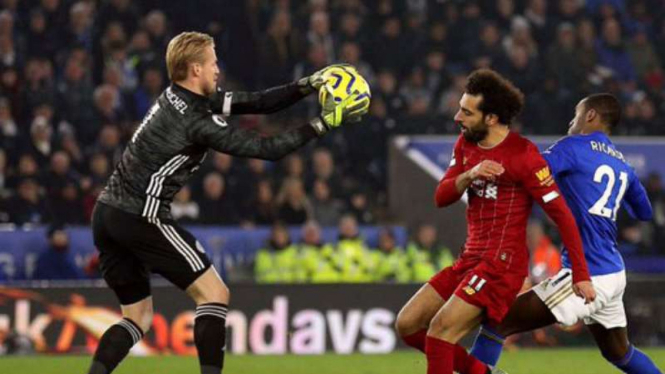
point(440, 356)
point(416, 340)
point(466, 363)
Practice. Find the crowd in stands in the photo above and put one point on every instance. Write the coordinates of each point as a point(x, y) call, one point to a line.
point(349, 259)
point(77, 76)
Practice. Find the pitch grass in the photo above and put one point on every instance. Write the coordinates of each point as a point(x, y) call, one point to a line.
point(526, 361)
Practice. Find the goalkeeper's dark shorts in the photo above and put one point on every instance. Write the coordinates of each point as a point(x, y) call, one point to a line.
point(130, 248)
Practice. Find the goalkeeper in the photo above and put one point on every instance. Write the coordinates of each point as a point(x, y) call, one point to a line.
point(132, 225)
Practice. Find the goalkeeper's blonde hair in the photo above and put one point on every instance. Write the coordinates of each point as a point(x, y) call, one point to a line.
point(184, 49)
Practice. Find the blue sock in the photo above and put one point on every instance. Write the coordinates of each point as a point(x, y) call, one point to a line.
point(488, 346)
point(636, 362)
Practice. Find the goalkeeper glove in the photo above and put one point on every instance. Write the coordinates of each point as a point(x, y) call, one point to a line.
point(313, 82)
point(334, 114)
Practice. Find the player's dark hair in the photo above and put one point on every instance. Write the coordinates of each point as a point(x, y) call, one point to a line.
point(500, 96)
point(607, 106)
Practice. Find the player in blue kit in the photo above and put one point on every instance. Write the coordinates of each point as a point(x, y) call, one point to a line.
point(596, 180)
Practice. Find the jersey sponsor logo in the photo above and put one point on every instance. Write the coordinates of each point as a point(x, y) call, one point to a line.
point(178, 104)
point(219, 120)
point(545, 177)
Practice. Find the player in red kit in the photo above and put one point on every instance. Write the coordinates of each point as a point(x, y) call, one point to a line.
point(502, 174)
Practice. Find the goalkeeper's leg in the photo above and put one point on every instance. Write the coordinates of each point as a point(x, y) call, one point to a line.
point(116, 342)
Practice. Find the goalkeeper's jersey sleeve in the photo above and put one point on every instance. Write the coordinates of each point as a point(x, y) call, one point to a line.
point(171, 143)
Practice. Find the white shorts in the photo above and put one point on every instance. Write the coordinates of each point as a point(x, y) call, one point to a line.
point(557, 293)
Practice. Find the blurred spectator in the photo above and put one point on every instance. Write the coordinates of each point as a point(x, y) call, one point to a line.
point(9, 134)
point(318, 259)
point(215, 206)
point(520, 35)
point(545, 257)
point(387, 90)
point(42, 42)
point(323, 168)
point(39, 86)
point(28, 206)
point(384, 55)
point(389, 261)
point(643, 56)
point(278, 261)
point(360, 208)
point(41, 142)
point(569, 11)
point(587, 55)
point(183, 209)
point(293, 206)
point(326, 208)
point(613, 54)
point(541, 22)
point(108, 143)
point(319, 34)
point(352, 251)
point(145, 96)
point(80, 25)
point(4, 192)
point(426, 256)
point(262, 210)
point(75, 95)
point(488, 51)
point(281, 49)
point(350, 30)
point(562, 60)
point(63, 191)
point(504, 13)
point(522, 69)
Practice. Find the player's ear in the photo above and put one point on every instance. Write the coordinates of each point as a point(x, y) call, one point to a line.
point(591, 114)
point(491, 119)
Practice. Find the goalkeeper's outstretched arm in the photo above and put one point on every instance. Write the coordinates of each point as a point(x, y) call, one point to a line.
point(267, 101)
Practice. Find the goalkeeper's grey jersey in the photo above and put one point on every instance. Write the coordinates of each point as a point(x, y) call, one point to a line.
point(172, 141)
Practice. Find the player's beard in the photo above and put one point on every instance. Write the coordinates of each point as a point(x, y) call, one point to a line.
point(476, 133)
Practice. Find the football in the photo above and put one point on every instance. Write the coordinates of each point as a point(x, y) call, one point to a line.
point(342, 81)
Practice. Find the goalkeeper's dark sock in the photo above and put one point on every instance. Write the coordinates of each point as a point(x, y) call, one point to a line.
point(465, 363)
point(440, 356)
point(416, 340)
point(488, 346)
point(115, 345)
point(636, 362)
point(210, 336)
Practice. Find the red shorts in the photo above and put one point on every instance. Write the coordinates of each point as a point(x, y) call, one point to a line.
point(485, 284)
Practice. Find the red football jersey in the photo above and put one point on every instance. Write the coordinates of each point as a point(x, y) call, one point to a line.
point(498, 209)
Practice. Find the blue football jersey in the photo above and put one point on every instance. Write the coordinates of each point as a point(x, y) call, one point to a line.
point(596, 180)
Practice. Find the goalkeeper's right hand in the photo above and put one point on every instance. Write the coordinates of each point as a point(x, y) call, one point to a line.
point(334, 114)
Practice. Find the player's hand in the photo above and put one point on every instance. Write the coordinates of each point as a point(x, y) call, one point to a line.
point(487, 169)
point(334, 114)
point(585, 290)
point(314, 82)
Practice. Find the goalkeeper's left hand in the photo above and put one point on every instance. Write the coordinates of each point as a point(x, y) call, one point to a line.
point(334, 114)
point(313, 82)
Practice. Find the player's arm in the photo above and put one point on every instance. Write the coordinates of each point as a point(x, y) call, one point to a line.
point(456, 180)
point(259, 102)
point(215, 133)
point(267, 101)
point(637, 200)
point(540, 184)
